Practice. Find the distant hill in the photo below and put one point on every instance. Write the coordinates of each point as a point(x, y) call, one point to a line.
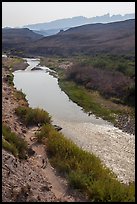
point(112, 38)
point(49, 32)
point(17, 36)
point(44, 28)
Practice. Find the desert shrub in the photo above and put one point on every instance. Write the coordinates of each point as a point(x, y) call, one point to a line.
point(30, 116)
point(43, 133)
point(121, 68)
point(110, 190)
point(109, 83)
point(124, 64)
point(78, 180)
point(9, 147)
point(101, 64)
point(12, 142)
point(130, 97)
point(10, 78)
point(20, 95)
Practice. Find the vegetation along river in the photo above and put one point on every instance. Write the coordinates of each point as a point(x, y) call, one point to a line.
point(115, 148)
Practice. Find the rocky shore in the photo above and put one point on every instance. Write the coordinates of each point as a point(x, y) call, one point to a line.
point(14, 63)
point(126, 124)
point(115, 148)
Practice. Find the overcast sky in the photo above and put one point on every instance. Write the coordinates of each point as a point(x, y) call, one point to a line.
point(23, 13)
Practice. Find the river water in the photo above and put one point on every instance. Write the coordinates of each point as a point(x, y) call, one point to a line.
point(42, 90)
point(114, 147)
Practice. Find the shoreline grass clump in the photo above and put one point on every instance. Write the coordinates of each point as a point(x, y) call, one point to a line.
point(21, 98)
point(44, 132)
point(31, 117)
point(84, 171)
point(13, 143)
point(20, 95)
point(10, 78)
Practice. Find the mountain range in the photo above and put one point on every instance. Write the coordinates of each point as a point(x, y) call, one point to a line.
point(112, 38)
point(53, 27)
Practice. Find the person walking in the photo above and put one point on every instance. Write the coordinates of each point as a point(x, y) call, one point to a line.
point(44, 163)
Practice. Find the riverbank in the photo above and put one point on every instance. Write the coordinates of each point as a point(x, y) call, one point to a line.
point(122, 116)
point(119, 115)
point(111, 144)
point(72, 116)
point(115, 148)
point(97, 137)
point(109, 132)
point(109, 135)
point(14, 63)
point(25, 180)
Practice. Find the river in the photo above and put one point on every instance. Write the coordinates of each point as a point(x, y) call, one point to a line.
point(42, 90)
point(115, 148)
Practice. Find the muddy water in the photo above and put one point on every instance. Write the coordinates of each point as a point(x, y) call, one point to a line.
point(115, 148)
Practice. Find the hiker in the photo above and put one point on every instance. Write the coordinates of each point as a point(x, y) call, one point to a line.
point(15, 162)
point(8, 173)
point(44, 163)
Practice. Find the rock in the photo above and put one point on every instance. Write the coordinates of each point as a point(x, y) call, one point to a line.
point(5, 79)
point(46, 188)
point(32, 138)
point(58, 128)
point(90, 113)
point(39, 125)
point(32, 199)
point(36, 68)
point(22, 193)
point(16, 191)
point(31, 152)
point(24, 131)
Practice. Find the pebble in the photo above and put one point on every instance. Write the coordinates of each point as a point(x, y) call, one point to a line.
point(24, 131)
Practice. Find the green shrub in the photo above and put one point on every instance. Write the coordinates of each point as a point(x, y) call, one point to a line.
point(31, 116)
point(9, 147)
point(20, 95)
point(43, 133)
point(10, 79)
point(12, 142)
point(78, 180)
point(108, 190)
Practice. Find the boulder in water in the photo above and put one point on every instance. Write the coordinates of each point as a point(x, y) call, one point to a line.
point(58, 128)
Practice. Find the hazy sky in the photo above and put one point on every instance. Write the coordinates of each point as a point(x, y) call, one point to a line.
point(23, 13)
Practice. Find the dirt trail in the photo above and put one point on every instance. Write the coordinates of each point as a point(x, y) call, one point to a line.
point(59, 186)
